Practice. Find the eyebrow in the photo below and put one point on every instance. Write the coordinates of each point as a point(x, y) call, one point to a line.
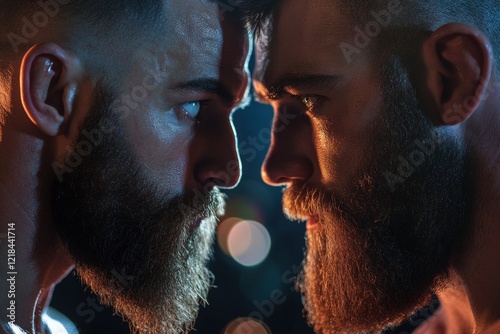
point(212, 86)
point(287, 82)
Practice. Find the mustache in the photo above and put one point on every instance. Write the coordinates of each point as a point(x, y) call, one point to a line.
point(189, 206)
point(303, 201)
point(202, 205)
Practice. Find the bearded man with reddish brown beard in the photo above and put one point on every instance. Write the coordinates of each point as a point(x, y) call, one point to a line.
point(392, 156)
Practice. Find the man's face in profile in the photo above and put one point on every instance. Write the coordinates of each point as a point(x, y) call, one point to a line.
point(377, 247)
point(138, 213)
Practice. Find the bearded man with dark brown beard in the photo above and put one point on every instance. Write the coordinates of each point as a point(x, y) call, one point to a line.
point(115, 139)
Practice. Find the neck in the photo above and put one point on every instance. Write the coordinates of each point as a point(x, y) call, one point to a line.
point(480, 271)
point(473, 298)
point(37, 259)
point(21, 276)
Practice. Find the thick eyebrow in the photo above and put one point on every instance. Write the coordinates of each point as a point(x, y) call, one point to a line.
point(308, 82)
point(211, 86)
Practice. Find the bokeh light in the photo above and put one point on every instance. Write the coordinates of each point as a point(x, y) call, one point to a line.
point(248, 242)
point(223, 231)
point(247, 326)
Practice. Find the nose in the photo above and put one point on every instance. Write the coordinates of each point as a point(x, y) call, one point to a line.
point(290, 155)
point(219, 165)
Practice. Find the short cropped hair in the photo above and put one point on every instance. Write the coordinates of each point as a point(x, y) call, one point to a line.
point(418, 16)
point(84, 26)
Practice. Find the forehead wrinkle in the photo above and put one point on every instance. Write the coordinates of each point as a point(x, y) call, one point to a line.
point(192, 29)
point(199, 16)
point(196, 42)
point(171, 65)
point(189, 29)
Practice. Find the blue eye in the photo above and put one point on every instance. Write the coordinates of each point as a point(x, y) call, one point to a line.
point(191, 109)
point(188, 111)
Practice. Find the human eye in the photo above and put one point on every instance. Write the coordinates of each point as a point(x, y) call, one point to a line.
point(311, 102)
point(189, 110)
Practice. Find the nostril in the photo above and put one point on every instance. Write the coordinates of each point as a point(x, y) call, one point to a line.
point(222, 173)
point(277, 173)
point(221, 179)
point(266, 176)
point(218, 182)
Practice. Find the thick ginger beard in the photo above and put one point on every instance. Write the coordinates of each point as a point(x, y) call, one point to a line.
point(377, 255)
point(134, 244)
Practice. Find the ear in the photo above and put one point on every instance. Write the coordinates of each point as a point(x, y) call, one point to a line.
point(458, 59)
point(49, 80)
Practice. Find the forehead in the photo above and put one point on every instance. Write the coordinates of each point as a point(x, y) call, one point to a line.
point(192, 41)
point(305, 36)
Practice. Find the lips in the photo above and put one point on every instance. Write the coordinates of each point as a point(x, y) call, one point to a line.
point(311, 224)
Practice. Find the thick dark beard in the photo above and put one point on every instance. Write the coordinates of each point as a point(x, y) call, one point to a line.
point(378, 255)
point(133, 244)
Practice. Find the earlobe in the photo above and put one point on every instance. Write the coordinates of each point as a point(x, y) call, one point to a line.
point(48, 81)
point(458, 59)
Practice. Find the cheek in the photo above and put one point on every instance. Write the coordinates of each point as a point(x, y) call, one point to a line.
point(344, 137)
point(162, 146)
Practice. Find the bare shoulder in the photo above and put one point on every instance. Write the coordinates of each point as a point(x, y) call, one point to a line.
point(495, 329)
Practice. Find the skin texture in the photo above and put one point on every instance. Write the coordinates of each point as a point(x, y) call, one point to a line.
point(377, 249)
point(133, 219)
point(161, 153)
